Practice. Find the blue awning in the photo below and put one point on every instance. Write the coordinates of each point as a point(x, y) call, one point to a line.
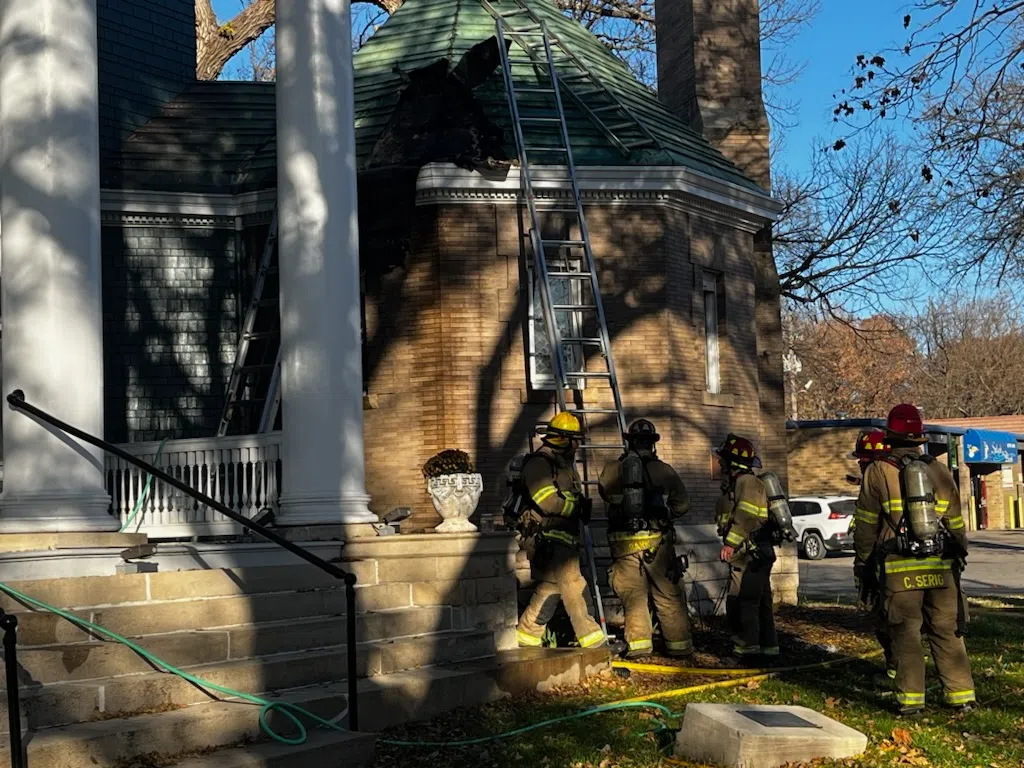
point(982, 446)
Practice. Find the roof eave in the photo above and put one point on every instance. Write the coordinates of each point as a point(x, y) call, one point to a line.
point(753, 208)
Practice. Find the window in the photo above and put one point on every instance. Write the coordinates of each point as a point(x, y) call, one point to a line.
point(803, 508)
point(846, 507)
point(714, 316)
point(563, 291)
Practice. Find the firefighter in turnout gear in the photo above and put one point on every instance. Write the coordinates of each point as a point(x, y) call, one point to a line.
point(909, 518)
point(874, 446)
point(554, 505)
point(743, 523)
point(645, 497)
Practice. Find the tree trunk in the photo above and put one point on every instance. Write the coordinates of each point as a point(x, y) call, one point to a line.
point(217, 43)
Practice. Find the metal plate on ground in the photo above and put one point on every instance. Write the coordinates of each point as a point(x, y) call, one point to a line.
point(776, 719)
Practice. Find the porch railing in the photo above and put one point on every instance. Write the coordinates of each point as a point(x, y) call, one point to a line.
point(242, 473)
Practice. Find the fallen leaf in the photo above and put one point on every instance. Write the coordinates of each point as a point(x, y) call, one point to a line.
point(753, 685)
point(902, 737)
point(831, 703)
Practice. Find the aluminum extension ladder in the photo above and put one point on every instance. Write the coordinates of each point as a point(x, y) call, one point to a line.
point(255, 380)
point(573, 266)
point(591, 96)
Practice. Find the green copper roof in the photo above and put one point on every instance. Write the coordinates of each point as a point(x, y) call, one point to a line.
point(423, 31)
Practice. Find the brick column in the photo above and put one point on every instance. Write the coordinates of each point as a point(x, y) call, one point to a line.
point(51, 290)
point(709, 74)
point(321, 344)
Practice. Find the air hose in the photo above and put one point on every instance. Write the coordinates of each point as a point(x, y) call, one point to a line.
point(293, 712)
point(145, 490)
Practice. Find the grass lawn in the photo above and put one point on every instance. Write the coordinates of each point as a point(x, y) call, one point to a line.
point(991, 736)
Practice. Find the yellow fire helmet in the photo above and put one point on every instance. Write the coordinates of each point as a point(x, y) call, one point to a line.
point(561, 429)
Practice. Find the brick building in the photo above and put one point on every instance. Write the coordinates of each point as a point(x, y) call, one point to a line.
point(984, 455)
point(451, 335)
point(136, 206)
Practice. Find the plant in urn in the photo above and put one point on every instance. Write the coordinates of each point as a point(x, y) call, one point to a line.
point(455, 488)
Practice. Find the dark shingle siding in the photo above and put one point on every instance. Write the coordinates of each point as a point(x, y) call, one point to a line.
point(170, 326)
point(147, 52)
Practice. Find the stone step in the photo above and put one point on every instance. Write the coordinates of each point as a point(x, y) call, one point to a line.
point(79, 702)
point(93, 660)
point(384, 701)
point(92, 591)
point(159, 617)
point(321, 748)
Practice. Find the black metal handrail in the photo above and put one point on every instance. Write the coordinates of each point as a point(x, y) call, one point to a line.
point(9, 625)
point(16, 400)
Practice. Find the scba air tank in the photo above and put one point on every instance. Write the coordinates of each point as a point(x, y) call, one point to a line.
point(919, 503)
point(778, 504)
point(633, 491)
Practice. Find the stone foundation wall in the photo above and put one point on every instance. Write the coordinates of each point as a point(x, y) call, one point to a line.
point(474, 574)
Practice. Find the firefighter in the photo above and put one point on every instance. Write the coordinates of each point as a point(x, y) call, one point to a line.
point(742, 515)
point(871, 446)
point(908, 514)
point(554, 506)
point(645, 497)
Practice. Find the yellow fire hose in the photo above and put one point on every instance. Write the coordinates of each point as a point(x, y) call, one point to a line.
point(749, 675)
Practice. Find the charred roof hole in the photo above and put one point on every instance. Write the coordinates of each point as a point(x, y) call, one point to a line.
point(438, 118)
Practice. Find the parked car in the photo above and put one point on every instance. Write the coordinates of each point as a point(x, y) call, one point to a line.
point(823, 524)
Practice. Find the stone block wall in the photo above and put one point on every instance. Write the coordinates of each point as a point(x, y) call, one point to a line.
point(471, 574)
point(170, 328)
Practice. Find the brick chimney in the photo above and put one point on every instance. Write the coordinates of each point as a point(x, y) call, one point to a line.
point(709, 73)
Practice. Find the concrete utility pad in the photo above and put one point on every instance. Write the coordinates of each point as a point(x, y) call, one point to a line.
point(761, 736)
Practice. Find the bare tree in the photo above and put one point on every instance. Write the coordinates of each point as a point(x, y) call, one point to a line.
point(960, 80)
point(848, 367)
point(970, 357)
point(852, 226)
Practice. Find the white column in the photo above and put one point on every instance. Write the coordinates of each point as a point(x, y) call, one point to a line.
point(51, 286)
point(321, 347)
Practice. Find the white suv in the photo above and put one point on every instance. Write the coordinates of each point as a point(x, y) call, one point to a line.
point(823, 524)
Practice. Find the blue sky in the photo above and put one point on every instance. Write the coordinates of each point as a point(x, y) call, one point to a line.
point(829, 48)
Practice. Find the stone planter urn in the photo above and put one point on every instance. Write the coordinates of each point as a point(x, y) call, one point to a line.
point(455, 498)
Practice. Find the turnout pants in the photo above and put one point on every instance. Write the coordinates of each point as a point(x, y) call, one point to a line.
point(556, 570)
point(748, 607)
point(634, 581)
point(933, 611)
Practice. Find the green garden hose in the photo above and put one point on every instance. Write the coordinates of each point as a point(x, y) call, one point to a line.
point(145, 490)
point(292, 711)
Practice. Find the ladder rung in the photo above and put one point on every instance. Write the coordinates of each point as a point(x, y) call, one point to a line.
point(606, 108)
point(259, 335)
point(545, 149)
point(591, 92)
point(572, 307)
point(586, 375)
point(516, 12)
point(601, 446)
point(539, 120)
point(523, 30)
point(585, 411)
point(621, 126)
point(565, 243)
point(581, 340)
point(570, 275)
point(535, 90)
